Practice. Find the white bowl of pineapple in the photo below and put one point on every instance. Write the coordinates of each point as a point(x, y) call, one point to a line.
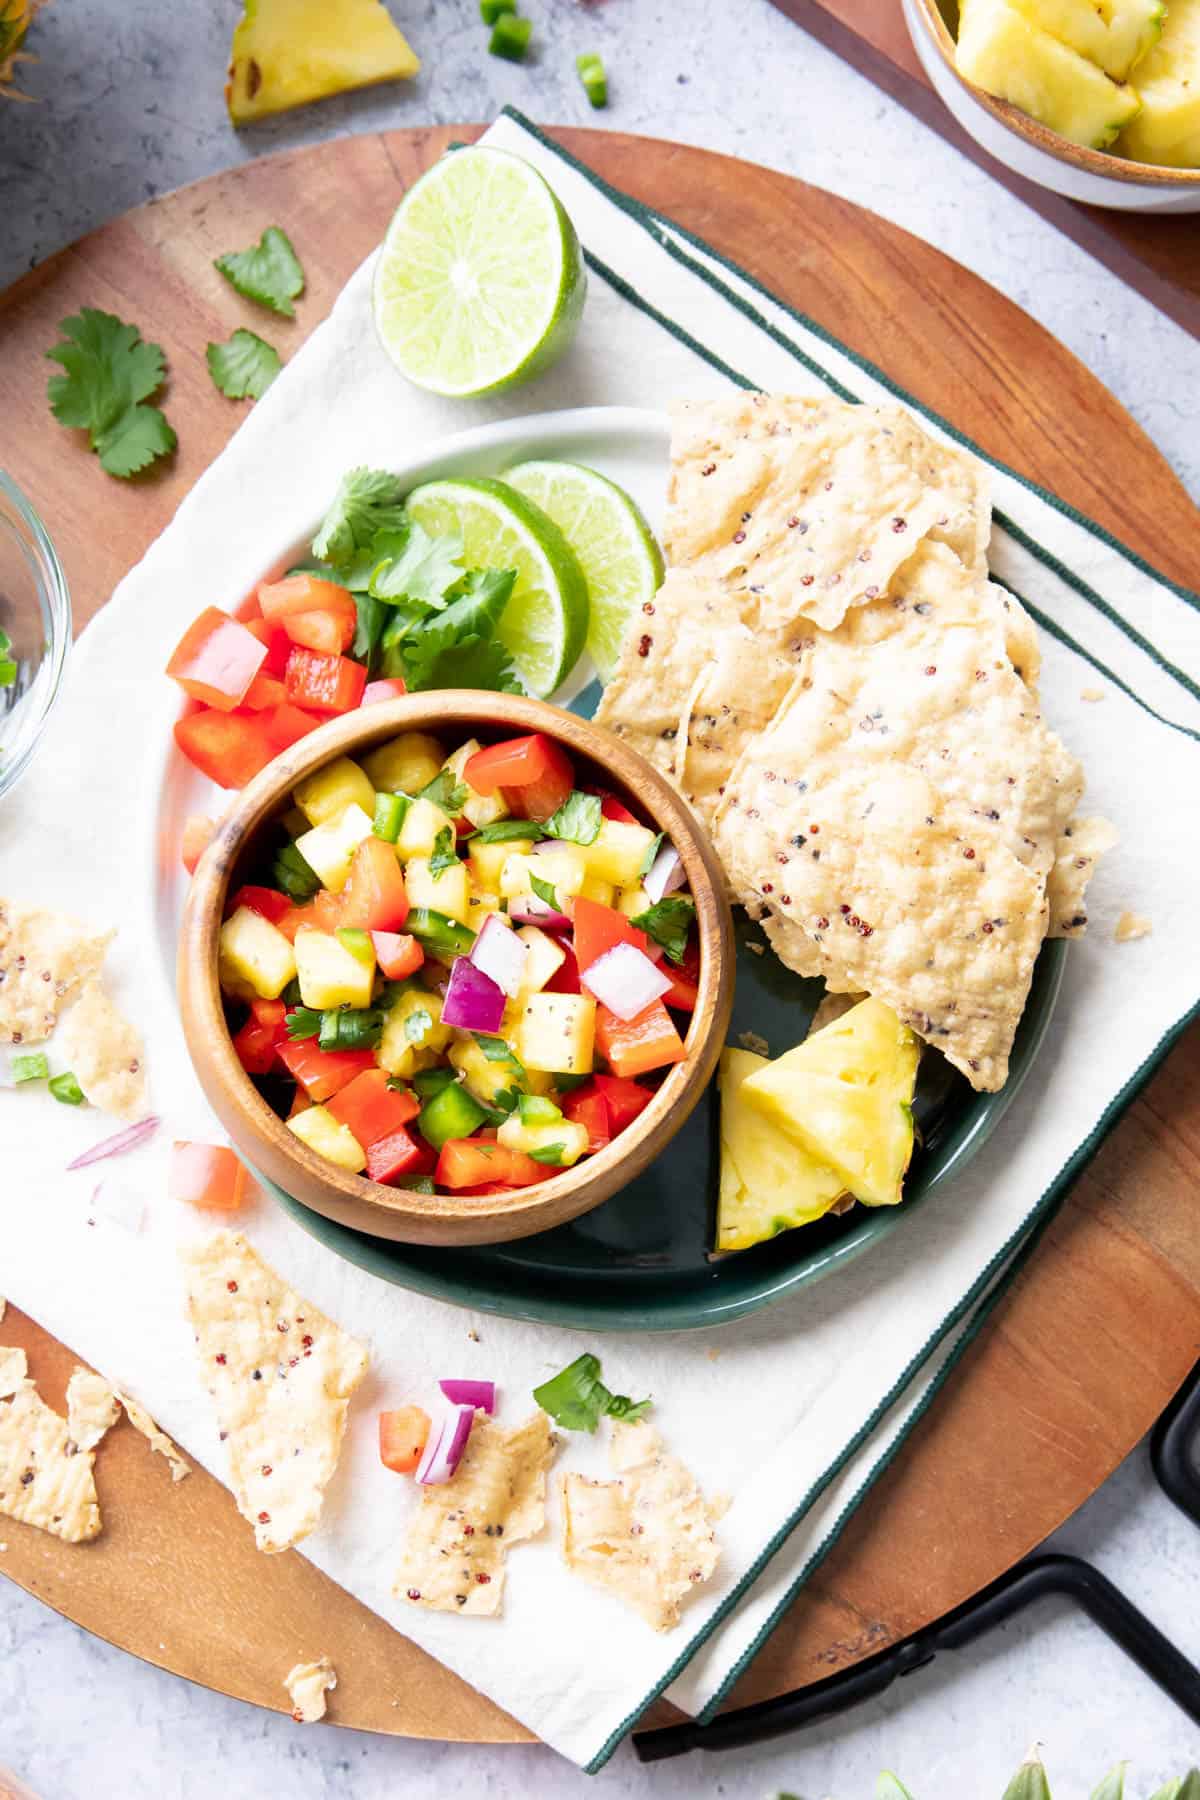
point(1098, 100)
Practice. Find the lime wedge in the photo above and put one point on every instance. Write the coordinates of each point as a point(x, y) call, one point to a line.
point(480, 281)
point(614, 544)
point(545, 622)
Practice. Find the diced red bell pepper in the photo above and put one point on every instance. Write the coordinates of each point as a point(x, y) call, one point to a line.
point(374, 897)
point(324, 684)
point(612, 808)
point(264, 691)
point(216, 659)
point(397, 955)
point(198, 831)
point(397, 1155)
point(325, 630)
point(624, 1099)
point(292, 920)
point(685, 979)
point(472, 1163)
point(207, 1175)
point(599, 928)
point(565, 979)
point(260, 1037)
point(588, 1107)
point(371, 1108)
point(403, 1434)
point(482, 1192)
point(533, 773)
point(230, 748)
point(323, 1073)
point(285, 725)
point(268, 901)
point(326, 912)
point(631, 1047)
point(277, 641)
point(293, 595)
point(389, 687)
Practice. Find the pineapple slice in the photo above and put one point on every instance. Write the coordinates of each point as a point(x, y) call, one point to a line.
point(287, 53)
point(845, 1096)
point(1002, 52)
point(254, 957)
point(1167, 130)
point(329, 974)
point(326, 795)
point(1114, 34)
point(318, 1128)
point(768, 1184)
point(557, 1032)
point(406, 764)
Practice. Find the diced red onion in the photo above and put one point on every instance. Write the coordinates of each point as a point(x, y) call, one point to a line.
point(471, 1393)
point(473, 1000)
point(119, 1203)
point(528, 909)
point(129, 1139)
point(665, 873)
point(548, 846)
point(501, 954)
point(445, 1444)
point(625, 981)
point(654, 951)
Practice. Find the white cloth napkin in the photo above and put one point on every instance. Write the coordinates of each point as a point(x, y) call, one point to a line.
point(792, 1412)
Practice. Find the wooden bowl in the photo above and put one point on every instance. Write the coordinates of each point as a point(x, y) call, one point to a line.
point(447, 1219)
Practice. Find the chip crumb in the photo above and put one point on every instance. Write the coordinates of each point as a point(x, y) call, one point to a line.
point(1132, 925)
point(1093, 693)
point(474, 1336)
point(107, 1054)
point(756, 948)
point(712, 1355)
point(45, 959)
point(157, 1439)
point(307, 1684)
point(750, 1040)
point(46, 1480)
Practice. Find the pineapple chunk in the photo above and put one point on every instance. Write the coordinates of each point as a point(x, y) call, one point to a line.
point(565, 870)
point(317, 1127)
point(406, 765)
point(544, 957)
point(1167, 130)
point(254, 955)
point(602, 891)
point(618, 852)
point(287, 53)
point(571, 1140)
point(556, 1033)
point(1113, 34)
point(487, 861)
point(633, 900)
point(845, 1096)
point(448, 892)
point(419, 832)
point(484, 1076)
point(481, 809)
point(480, 904)
point(413, 1035)
point(326, 795)
point(1001, 51)
point(328, 849)
point(768, 1184)
point(329, 974)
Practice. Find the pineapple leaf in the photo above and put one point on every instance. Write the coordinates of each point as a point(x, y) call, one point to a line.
point(269, 272)
point(245, 367)
point(1113, 1785)
point(108, 371)
point(1029, 1782)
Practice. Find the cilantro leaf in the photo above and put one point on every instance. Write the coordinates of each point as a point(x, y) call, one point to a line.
point(544, 891)
point(445, 792)
point(416, 1025)
point(109, 371)
point(371, 617)
point(550, 1154)
point(577, 1399)
point(668, 923)
point(452, 647)
point(444, 854)
point(436, 660)
point(245, 367)
point(651, 852)
point(577, 819)
point(367, 502)
point(414, 566)
point(498, 1049)
point(620, 1406)
point(303, 1023)
point(292, 873)
point(507, 831)
point(268, 272)
point(476, 603)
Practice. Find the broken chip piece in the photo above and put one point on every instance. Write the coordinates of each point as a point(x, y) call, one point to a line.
point(307, 1684)
point(45, 959)
point(46, 1479)
point(105, 1051)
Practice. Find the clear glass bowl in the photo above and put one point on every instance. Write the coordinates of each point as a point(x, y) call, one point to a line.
point(35, 612)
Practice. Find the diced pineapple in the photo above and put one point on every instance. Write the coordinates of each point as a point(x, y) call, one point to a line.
point(845, 1096)
point(1114, 34)
point(601, 891)
point(413, 1034)
point(317, 1127)
point(481, 809)
point(1001, 51)
point(485, 1075)
point(768, 1183)
point(632, 901)
point(544, 957)
point(565, 870)
point(254, 955)
point(287, 53)
point(488, 860)
point(329, 974)
point(419, 832)
point(618, 852)
point(557, 1032)
point(480, 905)
point(406, 764)
point(327, 794)
point(448, 892)
point(570, 1140)
point(328, 849)
point(1167, 130)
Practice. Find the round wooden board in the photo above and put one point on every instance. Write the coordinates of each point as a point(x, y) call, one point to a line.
point(1097, 1334)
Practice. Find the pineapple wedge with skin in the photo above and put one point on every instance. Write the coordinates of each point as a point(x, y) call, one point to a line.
point(1114, 34)
point(1167, 130)
point(768, 1183)
point(845, 1097)
point(287, 53)
point(1005, 54)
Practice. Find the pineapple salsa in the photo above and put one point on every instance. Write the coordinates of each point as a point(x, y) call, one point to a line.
point(458, 969)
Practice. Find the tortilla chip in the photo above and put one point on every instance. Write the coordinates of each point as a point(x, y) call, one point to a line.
point(45, 958)
point(1082, 844)
point(107, 1055)
point(1130, 926)
point(647, 1538)
point(281, 1375)
point(45, 1478)
point(92, 1408)
point(157, 1439)
point(307, 1684)
point(812, 504)
point(454, 1554)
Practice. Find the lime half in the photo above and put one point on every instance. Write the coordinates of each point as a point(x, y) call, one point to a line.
point(614, 544)
point(545, 622)
point(480, 282)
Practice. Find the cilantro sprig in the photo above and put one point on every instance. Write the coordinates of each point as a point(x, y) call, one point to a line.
point(577, 1399)
point(577, 819)
point(269, 272)
point(668, 922)
point(244, 367)
point(109, 374)
point(367, 502)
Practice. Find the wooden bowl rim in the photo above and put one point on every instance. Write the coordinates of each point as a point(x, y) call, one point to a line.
point(353, 1199)
point(1094, 162)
